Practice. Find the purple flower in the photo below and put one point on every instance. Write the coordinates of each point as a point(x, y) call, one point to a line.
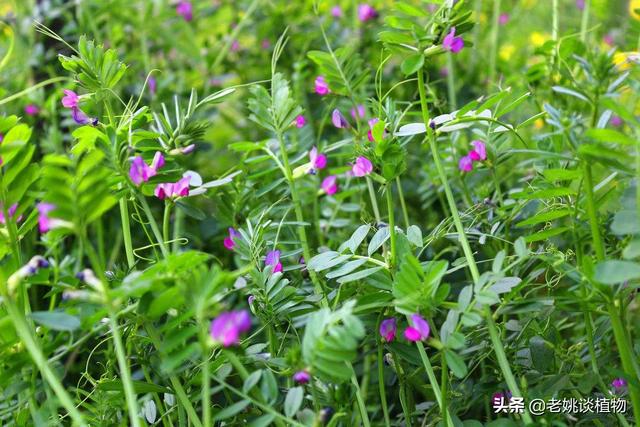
point(321, 86)
point(70, 99)
point(235, 46)
point(140, 172)
point(302, 377)
point(44, 222)
point(173, 189)
point(358, 112)
point(185, 9)
point(479, 151)
point(366, 12)
point(11, 211)
point(229, 242)
point(153, 85)
point(362, 167)
point(580, 4)
point(465, 164)
point(31, 110)
point(608, 39)
point(338, 119)
point(228, 326)
point(330, 185)
point(82, 119)
point(300, 121)
point(273, 258)
point(619, 383)
point(615, 121)
point(503, 18)
point(188, 149)
point(419, 331)
point(318, 160)
point(452, 43)
point(265, 44)
point(336, 12)
point(388, 329)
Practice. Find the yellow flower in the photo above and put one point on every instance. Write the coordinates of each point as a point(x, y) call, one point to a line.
point(483, 18)
point(506, 51)
point(5, 8)
point(633, 5)
point(537, 39)
point(624, 60)
point(538, 124)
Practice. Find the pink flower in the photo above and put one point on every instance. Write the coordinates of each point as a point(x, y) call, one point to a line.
point(140, 172)
point(362, 167)
point(31, 110)
point(358, 112)
point(173, 189)
point(366, 12)
point(608, 39)
point(318, 160)
point(265, 44)
point(235, 46)
point(229, 242)
point(302, 377)
point(452, 43)
point(615, 121)
point(300, 121)
point(338, 119)
point(419, 331)
point(70, 99)
point(330, 185)
point(185, 9)
point(153, 85)
point(580, 4)
point(322, 88)
point(503, 18)
point(336, 12)
point(388, 329)
point(619, 383)
point(228, 326)
point(372, 123)
point(44, 222)
point(11, 211)
point(479, 151)
point(465, 164)
point(273, 258)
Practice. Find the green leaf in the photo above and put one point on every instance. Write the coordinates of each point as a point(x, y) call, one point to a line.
point(293, 400)
point(356, 239)
point(56, 320)
point(455, 363)
point(613, 272)
point(545, 217)
point(358, 275)
point(610, 135)
point(231, 410)
point(251, 381)
point(412, 64)
point(378, 239)
point(139, 387)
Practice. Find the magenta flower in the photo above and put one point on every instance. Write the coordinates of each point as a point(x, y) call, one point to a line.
point(173, 190)
point(339, 120)
point(619, 383)
point(358, 112)
point(465, 164)
point(188, 149)
point(228, 326)
point(330, 185)
point(44, 222)
point(580, 4)
point(322, 87)
point(235, 46)
point(608, 39)
point(336, 12)
point(153, 85)
point(479, 151)
point(318, 160)
point(302, 377)
point(70, 99)
point(503, 18)
point(265, 44)
point(82, 119)
point(419, 331)
point(11, 211)
point(362, 167)
point(31, 110)
point(300, 121)
point(140, 172)
point(388, 329)
point(372, 123)
point(273, 258)
point(366, 12)
point(229, 242)
point(185, 9)
point(615, 121)
point(452, 43)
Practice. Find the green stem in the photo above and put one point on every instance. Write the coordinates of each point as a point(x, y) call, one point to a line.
point(444, 377)
point(166, 221)
point(585, 20)
point(431, 375)
point(405, 213)
point(495, 27)
point(466, 248)
point(23, 331)
point(126, 232)
point(451, 88)
point(361, 405)
point(392, 227)
point(403, 392)
point(598, 244)
point(154, 225)
point(381, 386)
point(374, 202)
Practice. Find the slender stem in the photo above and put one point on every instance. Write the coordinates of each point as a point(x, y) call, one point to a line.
point(154, 225)
point(374, 202)
point(361, 405)
point(381, 386)
point(598, 244)
point(405, 213)
point(206, 390)
point(585, 20)
point(403, 392)
point(466, 248)
point(126, 232)
point(23, 331)
point(166, 221)
point(302, 233)
point(495, 27)
point(444, 377)
point(392, 227)
point(430, 374)
point(451, 88)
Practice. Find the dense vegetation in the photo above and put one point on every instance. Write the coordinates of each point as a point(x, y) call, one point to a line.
point(316, 213)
